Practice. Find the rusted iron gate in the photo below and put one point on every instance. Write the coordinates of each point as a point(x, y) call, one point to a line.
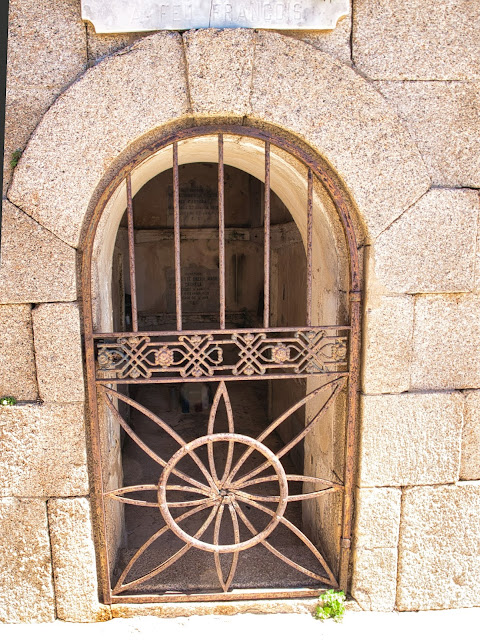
point(139, 357)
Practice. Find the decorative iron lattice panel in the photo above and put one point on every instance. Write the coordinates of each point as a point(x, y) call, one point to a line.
point(224, 355)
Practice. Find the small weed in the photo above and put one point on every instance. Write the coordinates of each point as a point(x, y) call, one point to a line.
point(16, 155)
point(331, 605)
point(8, 400)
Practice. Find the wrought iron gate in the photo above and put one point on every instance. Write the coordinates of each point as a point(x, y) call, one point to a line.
point(222, 491)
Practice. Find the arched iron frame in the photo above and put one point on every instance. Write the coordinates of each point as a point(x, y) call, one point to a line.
point(316, 169)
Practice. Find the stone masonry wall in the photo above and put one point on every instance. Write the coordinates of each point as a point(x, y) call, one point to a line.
point(417, 506)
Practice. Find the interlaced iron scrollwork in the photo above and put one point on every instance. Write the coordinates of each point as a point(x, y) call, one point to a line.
point(218, 355)
point(225, 497)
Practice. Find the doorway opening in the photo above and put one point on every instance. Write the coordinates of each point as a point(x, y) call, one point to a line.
point(222, 361)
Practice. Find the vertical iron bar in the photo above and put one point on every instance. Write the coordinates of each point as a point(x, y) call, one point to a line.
point(93, 429)
point(176, 233)
point(266, 254)
point(221, 229)
point(131, 254)
point(350, 440)
point(309, 246)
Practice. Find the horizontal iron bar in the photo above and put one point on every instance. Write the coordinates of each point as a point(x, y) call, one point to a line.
point(244, 378)
point(200, 332)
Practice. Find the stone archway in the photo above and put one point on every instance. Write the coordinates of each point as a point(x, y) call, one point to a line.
point(166, 81)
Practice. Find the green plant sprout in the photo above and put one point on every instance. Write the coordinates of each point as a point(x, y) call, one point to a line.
point(331, 604)
point(8, 400)
point(16, 155)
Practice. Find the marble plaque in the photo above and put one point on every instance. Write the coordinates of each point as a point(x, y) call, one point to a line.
point(122, 16)
point(200, 290)
point(198, 206)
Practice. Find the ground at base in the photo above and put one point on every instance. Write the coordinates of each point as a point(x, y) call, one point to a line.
point(440, 625)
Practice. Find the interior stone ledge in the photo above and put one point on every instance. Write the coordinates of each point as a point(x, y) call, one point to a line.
point(58, 352)
point(43, 450)
point(410, 439)
point(74, 563)
point(439, 563)
point(45, 268)
point(26, 583)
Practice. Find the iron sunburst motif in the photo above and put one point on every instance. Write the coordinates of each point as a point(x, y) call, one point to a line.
point(225, 495)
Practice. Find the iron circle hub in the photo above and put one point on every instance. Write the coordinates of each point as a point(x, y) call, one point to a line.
point(223, 437)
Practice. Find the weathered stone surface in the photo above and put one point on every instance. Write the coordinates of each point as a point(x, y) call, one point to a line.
point(431, 247)
point(470, 458)
point(46, 51)
point(410, 439)
point(22, 115)
point(26, 576)
point(35, 265)
point(360, 135)
point(439, 562)
point(444, 120)
point(345, 119)
point(374, 579)
point(377, 521)
point(387, 344)
point(393, 39)
point(377, 518)
point(446, 348)
point(17, 362)
point(100, 45)
point(80, 136)
point(178, 609)
point(43, 450)
point(219, 65)
point(58, 352)
point(74, 565)
point(335, 42)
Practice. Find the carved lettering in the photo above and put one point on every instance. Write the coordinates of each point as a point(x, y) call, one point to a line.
point(200, 290)
point(118, 16)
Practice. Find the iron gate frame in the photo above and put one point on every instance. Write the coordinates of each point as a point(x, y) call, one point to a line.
point(316, 170)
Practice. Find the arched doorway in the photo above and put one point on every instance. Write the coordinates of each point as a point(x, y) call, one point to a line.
point(224, 496)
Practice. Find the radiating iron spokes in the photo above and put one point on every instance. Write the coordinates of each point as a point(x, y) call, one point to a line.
point(120, 586)
point(330, 580)
point(163, 425)
point(338, 383)
point(222, 497)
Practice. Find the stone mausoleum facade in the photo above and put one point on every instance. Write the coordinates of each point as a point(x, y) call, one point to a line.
point(388, 105)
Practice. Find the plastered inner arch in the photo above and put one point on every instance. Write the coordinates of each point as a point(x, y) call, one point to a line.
point(288, 181)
